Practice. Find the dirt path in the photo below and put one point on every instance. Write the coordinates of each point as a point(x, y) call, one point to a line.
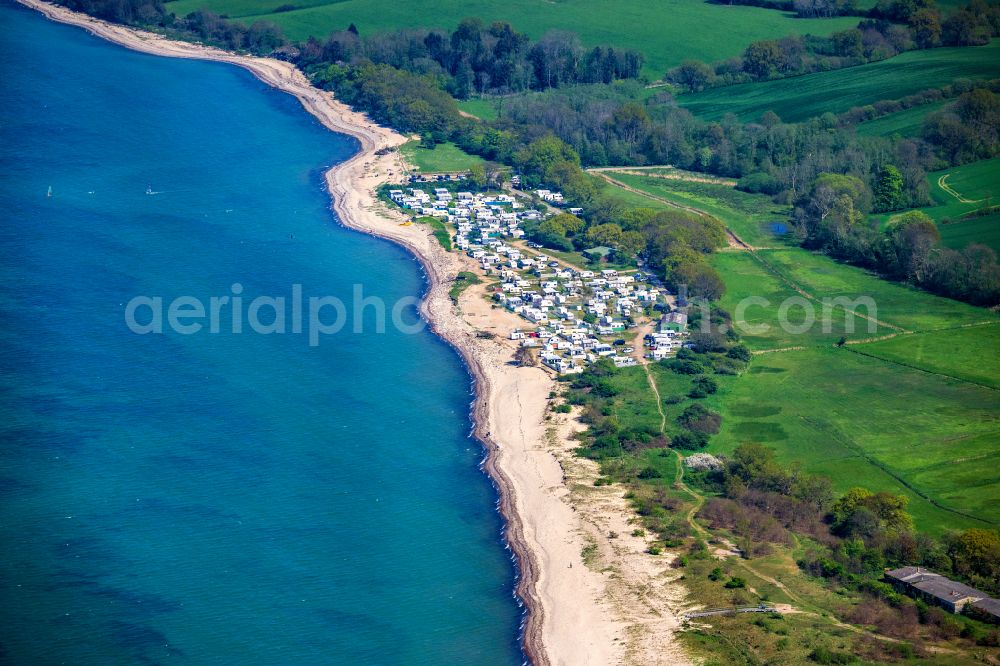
point(680, 175)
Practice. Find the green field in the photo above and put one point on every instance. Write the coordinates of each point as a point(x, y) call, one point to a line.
point(962, 353)
point(444, 157)
point(897, 304)
point(985, 230)
point(749, 278)
point(666, 32)
point(802, 97)
point(482, 108)
point(865, 422)
point(904, 123)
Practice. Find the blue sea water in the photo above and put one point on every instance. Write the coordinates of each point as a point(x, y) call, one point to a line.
point(215, 498)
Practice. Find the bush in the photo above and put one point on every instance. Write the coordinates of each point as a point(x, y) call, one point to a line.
point(683, 366)
point(700, 419)
point(759, 183)
point(689, 441)
point(823, 655)
point(706, 384)
point(740, 353)
point(650, 473)
point(735, 583)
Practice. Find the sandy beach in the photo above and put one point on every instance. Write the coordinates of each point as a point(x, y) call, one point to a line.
point(617, 605)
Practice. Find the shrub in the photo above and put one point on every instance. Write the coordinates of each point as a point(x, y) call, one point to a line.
point(705, 384)
point(683, 366)
point(740, 353)
point(689, 440)
point(759, 183)
point(700, 419)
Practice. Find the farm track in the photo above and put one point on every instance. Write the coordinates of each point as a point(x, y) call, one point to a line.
point(943, 184)
point(643, 171)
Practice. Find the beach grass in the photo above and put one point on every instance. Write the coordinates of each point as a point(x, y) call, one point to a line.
point(439, 229)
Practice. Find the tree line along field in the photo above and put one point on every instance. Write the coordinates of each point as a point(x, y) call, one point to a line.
point(905, 123)
point(909, 405)
point(802, 97)
point(665, 32)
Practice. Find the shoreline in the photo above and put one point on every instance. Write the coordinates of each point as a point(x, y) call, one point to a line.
point(624, 611)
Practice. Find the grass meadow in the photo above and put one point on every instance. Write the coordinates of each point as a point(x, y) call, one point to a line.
point(802, 97)
point(444, 157)
point(961, 353)
point(665, 32)
point(866, 422)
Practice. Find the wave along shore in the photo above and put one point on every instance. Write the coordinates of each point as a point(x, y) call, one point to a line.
point(623, 611)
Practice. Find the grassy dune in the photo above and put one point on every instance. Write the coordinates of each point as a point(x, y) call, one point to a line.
point(802, 97)
point(666, 32)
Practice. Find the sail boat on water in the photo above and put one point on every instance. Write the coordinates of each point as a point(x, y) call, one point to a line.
point(48, 195)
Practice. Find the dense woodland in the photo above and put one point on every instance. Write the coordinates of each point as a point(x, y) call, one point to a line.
point(834, 179)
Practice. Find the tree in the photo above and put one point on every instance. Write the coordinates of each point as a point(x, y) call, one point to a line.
point(925, 25)
point(848, 43)
point(912, 237)
point(477, 176)
point(698, 418)
point(888, 192)
point(692, 74)
point(542, 154)
point(963, 28)
point(702, 280)
point(859, 512)
point(761, 58)
point(605, 234)
point(977, 551)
